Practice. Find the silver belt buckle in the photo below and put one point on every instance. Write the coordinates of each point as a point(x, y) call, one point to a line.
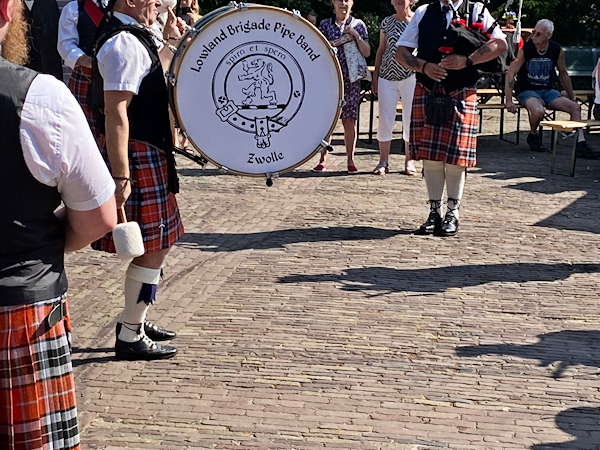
point(57, 313)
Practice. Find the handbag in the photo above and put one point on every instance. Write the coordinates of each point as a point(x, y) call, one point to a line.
point(438, 107)
point(357, 64)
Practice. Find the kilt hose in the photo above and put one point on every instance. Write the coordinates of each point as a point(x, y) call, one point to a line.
point(79, 84)
point(37, 389)
point(150, 204)
point(455, 142)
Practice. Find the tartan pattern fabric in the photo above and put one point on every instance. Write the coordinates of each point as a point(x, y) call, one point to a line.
point(37, 389)
point(455, 142)
point(79, 84)
point(150, 204)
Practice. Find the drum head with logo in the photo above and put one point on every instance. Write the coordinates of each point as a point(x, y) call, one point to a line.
point(256, 89)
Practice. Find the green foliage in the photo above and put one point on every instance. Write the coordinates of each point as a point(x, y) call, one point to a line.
point(577, 22)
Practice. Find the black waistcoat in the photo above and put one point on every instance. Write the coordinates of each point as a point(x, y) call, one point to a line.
point(148, 111)
point(432, 30)
point(33, 242)
point(538, 71)
point(86, 28)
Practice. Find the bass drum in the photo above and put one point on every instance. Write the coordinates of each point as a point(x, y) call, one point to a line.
point(256, 89)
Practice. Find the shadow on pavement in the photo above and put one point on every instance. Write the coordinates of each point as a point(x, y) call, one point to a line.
point(581, 215)
point(583, 423)
point(80, 361)
point(439, 279)
point(566, 348)
point(225, 242)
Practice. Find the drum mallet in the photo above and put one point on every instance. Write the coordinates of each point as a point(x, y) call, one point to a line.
point(127, 237)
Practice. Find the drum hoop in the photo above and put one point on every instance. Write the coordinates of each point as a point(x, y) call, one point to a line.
point(183, 48)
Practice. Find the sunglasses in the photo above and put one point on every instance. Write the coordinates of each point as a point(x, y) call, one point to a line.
point(537, 33)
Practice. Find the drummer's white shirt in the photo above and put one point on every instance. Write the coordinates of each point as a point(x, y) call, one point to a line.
point(58, 146)
point(410, 37)
point(123, 60)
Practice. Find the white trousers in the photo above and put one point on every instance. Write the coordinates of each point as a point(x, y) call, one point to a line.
point(389, 93)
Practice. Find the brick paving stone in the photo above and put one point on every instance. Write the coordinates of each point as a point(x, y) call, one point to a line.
point(310, 316)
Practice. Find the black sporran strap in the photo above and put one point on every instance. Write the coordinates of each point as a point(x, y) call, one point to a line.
point(438, 107)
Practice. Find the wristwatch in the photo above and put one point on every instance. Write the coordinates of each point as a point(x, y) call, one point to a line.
point(468, 62)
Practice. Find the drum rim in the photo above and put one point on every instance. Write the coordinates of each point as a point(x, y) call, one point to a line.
point(183, 48)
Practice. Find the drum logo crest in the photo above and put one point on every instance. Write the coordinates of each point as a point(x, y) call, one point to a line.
point(258, 88)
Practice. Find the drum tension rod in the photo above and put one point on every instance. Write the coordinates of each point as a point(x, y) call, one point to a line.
point(327, 145)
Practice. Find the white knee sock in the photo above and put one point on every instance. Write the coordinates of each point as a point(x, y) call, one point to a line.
point(455, 185)
point(434, 179)
point(134, 312)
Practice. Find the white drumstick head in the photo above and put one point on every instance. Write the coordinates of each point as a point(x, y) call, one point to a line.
point(128, 240)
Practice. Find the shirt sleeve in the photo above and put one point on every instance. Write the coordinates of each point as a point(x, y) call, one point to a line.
point(362, 30)
point(123, 63)
point(68, 36)
point(58, 146)
point(488, 21)
point(410, 37)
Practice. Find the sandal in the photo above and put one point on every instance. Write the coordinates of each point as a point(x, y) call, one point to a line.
point(382, 168)
point(409, 169)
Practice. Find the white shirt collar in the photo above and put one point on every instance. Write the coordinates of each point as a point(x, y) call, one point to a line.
point(127, 20)
point(453, 4)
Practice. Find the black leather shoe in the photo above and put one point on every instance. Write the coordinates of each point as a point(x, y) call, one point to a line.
point(535, 145)
point(583, 150)
point(143, 350)
point(155, 333)
point(432, 224)
point(449, 226)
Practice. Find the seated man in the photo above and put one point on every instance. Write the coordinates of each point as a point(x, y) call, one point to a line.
point(535, 68)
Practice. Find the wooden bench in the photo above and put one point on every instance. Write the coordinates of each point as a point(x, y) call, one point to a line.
point(502, 107)
point(565, 126)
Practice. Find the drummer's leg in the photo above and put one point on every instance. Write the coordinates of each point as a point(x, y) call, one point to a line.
point(141, 281)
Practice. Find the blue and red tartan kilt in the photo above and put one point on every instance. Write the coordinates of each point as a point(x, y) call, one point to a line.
point(150, 204)
point(79, 84)
point(455, 142)
point(37, 389)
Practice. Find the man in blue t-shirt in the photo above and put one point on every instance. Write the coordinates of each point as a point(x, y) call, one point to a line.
point(535, 69)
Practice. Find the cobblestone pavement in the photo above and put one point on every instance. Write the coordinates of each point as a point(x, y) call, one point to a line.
point(310, 316)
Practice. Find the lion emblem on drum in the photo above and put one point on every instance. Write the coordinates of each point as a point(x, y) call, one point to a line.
point(261, 75)
point(258, 88)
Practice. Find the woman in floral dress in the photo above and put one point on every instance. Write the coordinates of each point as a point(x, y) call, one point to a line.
point(337, 29)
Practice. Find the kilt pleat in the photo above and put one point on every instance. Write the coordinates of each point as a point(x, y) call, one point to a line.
point(150, 204)
point(37, 390)
point(79, 84)
point(455, 142)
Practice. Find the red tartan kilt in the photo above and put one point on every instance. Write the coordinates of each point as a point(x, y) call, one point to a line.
point(79, 84)
point(150, 204)
point(455, 142)
point(37, 390)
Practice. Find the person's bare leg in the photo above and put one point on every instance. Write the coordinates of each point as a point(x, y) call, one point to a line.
point(349, 138)
point(384, 151)
point(571, 107)
point(535, 108)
